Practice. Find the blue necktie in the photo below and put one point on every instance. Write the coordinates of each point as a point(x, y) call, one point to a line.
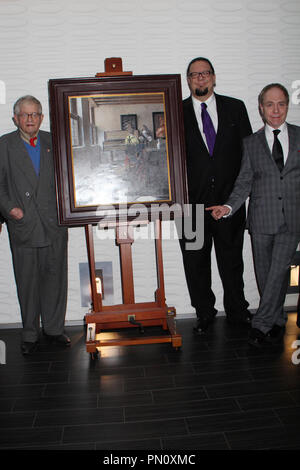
point(208, 128)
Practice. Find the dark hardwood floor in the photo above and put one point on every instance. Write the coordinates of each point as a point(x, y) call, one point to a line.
point(216, 393)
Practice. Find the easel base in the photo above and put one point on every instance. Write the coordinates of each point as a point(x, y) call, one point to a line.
point(97, 337)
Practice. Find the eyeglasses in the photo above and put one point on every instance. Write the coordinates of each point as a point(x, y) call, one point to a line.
point(205, 73)
point(27, 115)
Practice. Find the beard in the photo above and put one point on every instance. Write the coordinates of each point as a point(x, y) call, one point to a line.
point(199, 92)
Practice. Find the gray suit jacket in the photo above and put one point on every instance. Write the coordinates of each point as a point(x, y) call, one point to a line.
point(36, 196)
point(274, 196)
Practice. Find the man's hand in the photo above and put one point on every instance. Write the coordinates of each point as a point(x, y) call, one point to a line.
point(218, 211)
point(16, 213)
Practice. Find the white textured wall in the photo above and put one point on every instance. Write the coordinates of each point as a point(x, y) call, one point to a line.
point(250, 43)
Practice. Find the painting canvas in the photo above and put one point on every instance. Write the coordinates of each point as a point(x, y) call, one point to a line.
point(111, 165)
point(116, 142)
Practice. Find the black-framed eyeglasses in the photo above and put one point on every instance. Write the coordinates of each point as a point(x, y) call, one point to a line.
point(204, 74)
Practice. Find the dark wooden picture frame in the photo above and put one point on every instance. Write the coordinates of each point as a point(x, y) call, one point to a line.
point(92, 179)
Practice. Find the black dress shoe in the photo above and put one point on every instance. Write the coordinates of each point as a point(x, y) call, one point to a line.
point(62, 339)
point(243, 319)
point(248, 316)
point(203, 324)
point(236, 321)
point(256, 338)
point(276, 334)
point(28, 348)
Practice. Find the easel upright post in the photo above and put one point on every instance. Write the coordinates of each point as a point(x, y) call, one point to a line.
point(124, 241)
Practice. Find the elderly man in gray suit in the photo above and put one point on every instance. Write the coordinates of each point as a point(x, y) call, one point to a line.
point(270, 175)
point(38, 244)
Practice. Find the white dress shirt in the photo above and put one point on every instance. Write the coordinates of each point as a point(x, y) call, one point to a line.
point(212, 111)
point(282, 137)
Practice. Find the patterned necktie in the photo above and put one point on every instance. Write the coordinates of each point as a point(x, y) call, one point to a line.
point(277, 152)
point(208, 128)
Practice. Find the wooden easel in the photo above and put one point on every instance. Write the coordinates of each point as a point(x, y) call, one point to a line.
point(129, 314)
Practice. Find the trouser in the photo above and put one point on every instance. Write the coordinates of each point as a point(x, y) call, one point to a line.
point(272, 255)
point(228, 237)
point(41, 279)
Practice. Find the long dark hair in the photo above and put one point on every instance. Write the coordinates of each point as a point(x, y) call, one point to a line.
point(196, 60)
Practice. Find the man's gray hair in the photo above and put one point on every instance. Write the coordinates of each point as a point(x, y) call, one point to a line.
point(26, 99)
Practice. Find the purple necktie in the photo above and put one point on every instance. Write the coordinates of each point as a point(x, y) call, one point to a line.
point(208, 128)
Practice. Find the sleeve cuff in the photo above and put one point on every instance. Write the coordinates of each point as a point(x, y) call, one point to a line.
point(228, 215)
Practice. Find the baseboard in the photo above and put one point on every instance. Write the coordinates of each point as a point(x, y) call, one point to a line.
point(179, 316)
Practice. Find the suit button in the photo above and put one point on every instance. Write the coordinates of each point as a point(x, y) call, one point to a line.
point(280, 198)
point(27, 194)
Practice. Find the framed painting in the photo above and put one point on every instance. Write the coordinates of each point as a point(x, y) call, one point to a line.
point(118, 144)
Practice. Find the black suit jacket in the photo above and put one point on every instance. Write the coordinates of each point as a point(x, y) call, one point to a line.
point(211, 178)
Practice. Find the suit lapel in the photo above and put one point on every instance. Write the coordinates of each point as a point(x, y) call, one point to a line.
point(23, 161)
point(193, 125)
point(44, 163)
point(223, 122)
point(262, 138)
point(292, 146)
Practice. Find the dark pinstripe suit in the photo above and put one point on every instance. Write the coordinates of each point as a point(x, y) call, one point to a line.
point(273, 219)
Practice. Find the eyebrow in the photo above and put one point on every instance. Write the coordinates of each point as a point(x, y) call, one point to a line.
point(271, 102)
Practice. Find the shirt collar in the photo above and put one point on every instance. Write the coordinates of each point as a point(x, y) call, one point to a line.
point(210, 101)
point(25, 136)
point(269, 130)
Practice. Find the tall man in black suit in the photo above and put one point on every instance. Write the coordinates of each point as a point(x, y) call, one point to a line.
point(38, 244)
point(215, 126)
